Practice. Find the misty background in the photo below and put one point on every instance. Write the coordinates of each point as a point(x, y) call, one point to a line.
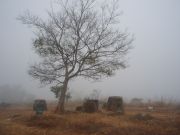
point(154, 61)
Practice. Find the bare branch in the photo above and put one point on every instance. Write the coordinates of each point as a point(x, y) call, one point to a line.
point(79, 40)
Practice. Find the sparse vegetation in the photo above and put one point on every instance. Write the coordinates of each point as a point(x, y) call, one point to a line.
point(136, 121)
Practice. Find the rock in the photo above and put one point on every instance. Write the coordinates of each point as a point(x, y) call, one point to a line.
point(115, 104)
point(91, 106)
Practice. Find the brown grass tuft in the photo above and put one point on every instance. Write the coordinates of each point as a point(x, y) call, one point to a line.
point(22, 121)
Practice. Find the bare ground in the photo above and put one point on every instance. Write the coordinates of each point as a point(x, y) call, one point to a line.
point(21, 120)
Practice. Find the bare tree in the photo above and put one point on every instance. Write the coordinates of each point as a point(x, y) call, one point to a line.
point(79, 40)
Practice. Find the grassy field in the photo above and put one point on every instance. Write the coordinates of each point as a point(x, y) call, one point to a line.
point(21, 120)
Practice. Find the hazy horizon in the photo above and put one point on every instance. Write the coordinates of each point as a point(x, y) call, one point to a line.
point(154, 65)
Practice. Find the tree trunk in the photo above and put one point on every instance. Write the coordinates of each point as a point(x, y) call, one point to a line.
point(60, 106)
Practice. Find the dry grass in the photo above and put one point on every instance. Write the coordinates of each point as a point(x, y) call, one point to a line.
point(22, 121)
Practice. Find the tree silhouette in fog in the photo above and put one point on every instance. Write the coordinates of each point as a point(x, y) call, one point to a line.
point(81, 39)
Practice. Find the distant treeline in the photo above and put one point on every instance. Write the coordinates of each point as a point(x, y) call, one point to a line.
point(14, 94)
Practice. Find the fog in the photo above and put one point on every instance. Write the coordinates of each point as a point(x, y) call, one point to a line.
point(154, 65)
point(14, 94)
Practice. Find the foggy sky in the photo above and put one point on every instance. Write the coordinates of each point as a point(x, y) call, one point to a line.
point(154, 61)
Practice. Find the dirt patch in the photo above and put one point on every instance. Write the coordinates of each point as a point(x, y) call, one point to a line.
point(42, 122)
point(88, 126)
point(142, 117)
point(45, 121)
